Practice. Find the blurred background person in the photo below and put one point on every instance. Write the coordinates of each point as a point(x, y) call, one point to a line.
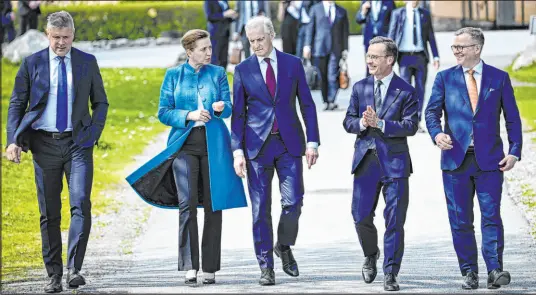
point(304, 7)
point(219, 18)
point(29, 12)
point(288, 14)
point(246, 10)
point(375, 16)
point(412, 35)
point(327, 41)
point(8, 17)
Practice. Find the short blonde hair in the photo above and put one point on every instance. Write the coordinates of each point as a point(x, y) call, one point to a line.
point(189, 39)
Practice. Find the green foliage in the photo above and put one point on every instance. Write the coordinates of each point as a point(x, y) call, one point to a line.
point(526, 101)
point(133, 95)
point(526, 74)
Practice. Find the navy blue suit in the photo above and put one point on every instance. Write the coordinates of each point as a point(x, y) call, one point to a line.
point(466, 172)
point(219, 28)
point(254, 111)
point(387, 166)
point(414, 63)
point(72, 155)
point(373, 28)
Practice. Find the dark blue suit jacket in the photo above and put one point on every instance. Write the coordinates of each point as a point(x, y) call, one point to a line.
point(254, 109)
point(323, 37)
point(30, 96)
point(396, 29)
point(399, 111)
point(450, 96)
point(382, 25)
point(217, 24)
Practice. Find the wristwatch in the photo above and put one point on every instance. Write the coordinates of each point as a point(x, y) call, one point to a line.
point(380, 124)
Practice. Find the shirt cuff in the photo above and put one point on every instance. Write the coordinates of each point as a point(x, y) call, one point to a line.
point(361, 126)
point(515, 157)
point(383, 126)
point(436, 58)
point(313, 145)
point(238, 153)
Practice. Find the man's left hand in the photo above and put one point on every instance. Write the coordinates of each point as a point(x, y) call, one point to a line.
point(507, 163)
point(311, 154)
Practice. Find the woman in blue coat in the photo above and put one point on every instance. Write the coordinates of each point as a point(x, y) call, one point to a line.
point(196, 168)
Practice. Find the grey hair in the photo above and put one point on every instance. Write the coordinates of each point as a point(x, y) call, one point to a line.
point(476, 34)
point(390, 46)
point(60, 19)
point(263, 21)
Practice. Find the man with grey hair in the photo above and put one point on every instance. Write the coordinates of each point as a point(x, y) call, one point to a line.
point(382, 114)
point(472, 96)
point(267, 137)
point(48, 114)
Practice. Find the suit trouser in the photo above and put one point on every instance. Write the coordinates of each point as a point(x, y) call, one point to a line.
point(329, 73)
point(460, 186)
point(300, 42)
point(52, 158)
point(220, 50)
point(191, 173)
point(260, 171)
point(245, 43)
point(28, 21)
point(289, 34)
point(414, 66)
point(369, 180)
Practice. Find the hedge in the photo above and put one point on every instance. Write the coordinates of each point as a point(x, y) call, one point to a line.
point(133, 20)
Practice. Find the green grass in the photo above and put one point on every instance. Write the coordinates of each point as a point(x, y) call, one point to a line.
point(526, 74)
point(133, 95)
point(526, 95)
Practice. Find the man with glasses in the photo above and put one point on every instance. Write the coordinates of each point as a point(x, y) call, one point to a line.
point(472, 96)
point(411, 28)
point(382, 113)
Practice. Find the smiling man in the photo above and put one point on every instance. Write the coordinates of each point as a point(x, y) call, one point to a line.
point(49, 115)
point(267, 137)
point(472, 96)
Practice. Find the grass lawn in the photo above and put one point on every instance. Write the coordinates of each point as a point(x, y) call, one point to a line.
point(526, 95)
point(133, 95)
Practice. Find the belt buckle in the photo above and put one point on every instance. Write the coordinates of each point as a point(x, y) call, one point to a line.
point(56, 135)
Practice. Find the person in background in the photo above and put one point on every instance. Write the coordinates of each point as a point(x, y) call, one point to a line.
point(29, 12)
point(288, 14)
point(375, 16)
point(412, 29)
point(8, 18)
point(219, 18)
point(246, 10)
point(304, 8)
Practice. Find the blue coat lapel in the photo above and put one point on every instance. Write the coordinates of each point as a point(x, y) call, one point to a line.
point(42, 83)
point(392, 94)
point(76, 65)
point(255, 71)
point(280, 74)
point(459, 78)
point(484, 86)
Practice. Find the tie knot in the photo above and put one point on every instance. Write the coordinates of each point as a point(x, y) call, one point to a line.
point(379, 82)
point(60, 58)
point(471, 72)
point(267, 60)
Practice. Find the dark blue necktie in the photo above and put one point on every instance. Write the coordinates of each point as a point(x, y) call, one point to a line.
point(415, 16)
point(62, 103)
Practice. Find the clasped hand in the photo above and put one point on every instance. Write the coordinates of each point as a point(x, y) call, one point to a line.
point(370, 118)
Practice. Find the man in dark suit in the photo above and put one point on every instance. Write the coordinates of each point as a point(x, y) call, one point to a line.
point(327, 34)
point(246, 10)
point(267, 137)
point(375, 15)
point(411, 28)
point(8, 16)
point(471, 96)
point(304, 20)
point(383, 113)
point(49, 115)
point(29, 12)
point(219, 18)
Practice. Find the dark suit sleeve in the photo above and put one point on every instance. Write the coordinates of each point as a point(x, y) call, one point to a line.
point(353, 117)
point(99, 101)
point(409, 122)
point(393, 24)
point(345, 30)
point(238, 119)
point(512, 118)
point(310, 29)
point(434, 109)
point(358, 16)
point(431, 37)
point(18, 102)
point(212, 16)
point(307, 106)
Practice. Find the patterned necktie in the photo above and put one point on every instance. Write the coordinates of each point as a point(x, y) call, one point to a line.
point(378, 96)
point(472, 89)
point(415, 16)
point(270, 83)
point(61, 105)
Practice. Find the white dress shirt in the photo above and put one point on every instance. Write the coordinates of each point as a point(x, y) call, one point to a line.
point(47, 121)
point(327, 7)
point(386, 81)
point(264, 66)
point(305, 19)
point(294, 10)
point(251, 5)
point(406, 44)
point(200, 106)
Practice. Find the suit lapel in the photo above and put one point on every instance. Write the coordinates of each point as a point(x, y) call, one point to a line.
point(43, 72)
point(255, 71)
point(484, 86)
point(392, 94)
point(280, 74)
point(369, 93)
point(462, 86)
point(77, 71)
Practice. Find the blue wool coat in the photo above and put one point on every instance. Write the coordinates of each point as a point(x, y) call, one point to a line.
point(154, 181)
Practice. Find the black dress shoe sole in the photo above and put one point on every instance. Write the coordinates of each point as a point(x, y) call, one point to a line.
point(467, 287)
point(209, 281)
point(392, 288)
point(266, 283)
point(75, 283)
point(54, 290)
point(191, 281)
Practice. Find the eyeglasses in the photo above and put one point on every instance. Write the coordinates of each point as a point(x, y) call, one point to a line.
point(375, 57)
point(458, 48)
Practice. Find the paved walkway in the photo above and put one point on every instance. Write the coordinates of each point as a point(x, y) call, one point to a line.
point(327, 251)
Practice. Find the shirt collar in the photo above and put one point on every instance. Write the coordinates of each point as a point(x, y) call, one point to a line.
point(52, 55)
point(387, 79)
point(409, 7)
point(477, 68)
point(272, 56)
point(327, 5)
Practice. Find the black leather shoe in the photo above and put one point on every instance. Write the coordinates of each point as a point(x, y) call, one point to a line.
point(470, 281)
point(190, 281)
point(390, 282)
point(54, 286)
point(290, 266)
point(333, 106)
point(267, 277)
point(498, 278)
point(369, 270)
point(74, 279)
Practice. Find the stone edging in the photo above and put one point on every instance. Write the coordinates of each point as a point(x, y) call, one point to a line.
point(92, 46)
